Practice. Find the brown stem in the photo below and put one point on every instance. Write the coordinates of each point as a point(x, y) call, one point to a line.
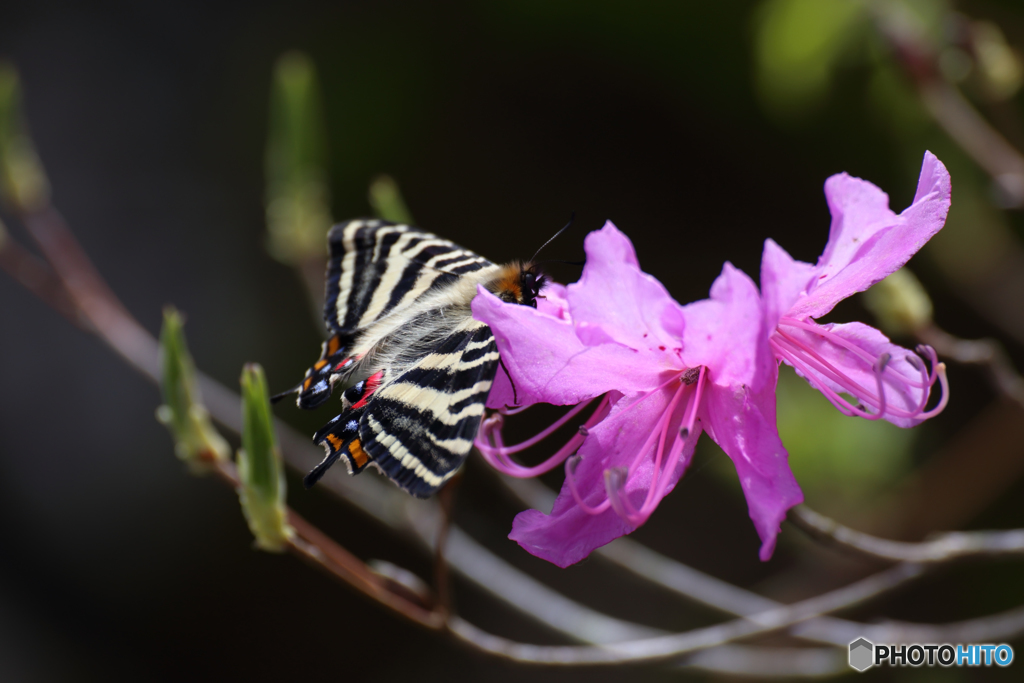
point(442, 587)
point(37, 277)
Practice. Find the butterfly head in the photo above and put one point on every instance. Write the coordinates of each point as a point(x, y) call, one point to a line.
point(520, 283)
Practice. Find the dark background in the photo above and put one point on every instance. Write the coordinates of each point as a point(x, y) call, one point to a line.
point(498, 119)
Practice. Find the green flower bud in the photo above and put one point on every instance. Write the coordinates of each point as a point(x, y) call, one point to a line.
point(260, 473)
point(23, 183)
point(195, 439)
point(900, 303)
point(298, 200)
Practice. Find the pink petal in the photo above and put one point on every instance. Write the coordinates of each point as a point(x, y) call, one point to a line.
point(742, 422)
point(551, 302)
point(867, 241)
point(569, 534)
point(549, 363)
point(783, 281)
point(614, 301)
point(727, 332)
point(897, 394)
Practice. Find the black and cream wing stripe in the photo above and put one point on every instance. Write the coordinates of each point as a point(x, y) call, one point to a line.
point(419, 428)
point(379, 268)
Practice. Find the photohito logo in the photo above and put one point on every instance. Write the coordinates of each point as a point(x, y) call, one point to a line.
point(864, 654)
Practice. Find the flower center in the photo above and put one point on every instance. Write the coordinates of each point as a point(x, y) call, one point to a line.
point(791, 344)
point(665, 446)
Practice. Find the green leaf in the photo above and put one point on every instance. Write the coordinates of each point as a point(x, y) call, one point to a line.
point(298, 200)
point(387, 202)
point(23, 183)
point(260, 472)
point(195, 439)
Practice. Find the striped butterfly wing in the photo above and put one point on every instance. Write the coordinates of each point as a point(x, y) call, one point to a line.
point(376, 268)
point(379, 268)
point(419, 428)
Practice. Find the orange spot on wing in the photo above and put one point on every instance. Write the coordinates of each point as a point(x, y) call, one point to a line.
point(333, 345)
point(334, 441)
point(358, 455)
point(305, 385)
point(320, 364)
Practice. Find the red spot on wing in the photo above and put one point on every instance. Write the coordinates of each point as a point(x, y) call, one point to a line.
point(372, 383)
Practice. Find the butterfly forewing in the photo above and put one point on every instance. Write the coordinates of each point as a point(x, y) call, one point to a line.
point(379, 268)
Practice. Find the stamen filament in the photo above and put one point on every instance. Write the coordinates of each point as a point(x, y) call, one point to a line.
point(497, 455)
point(570, 478)
point(838, 341)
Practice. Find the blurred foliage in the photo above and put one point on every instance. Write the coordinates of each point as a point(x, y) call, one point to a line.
point(196, 441)
point(998, 65)
point(798, 45)
point(387, 202)
point(298, 200)
point(23, 183)
point(900, 303)
point(260, 469)
point(840, 461)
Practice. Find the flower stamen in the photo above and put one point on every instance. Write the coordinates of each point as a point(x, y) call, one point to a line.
point(490, 444)
point(872, 404)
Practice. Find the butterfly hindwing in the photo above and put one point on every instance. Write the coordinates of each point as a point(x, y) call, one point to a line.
point(419, 428)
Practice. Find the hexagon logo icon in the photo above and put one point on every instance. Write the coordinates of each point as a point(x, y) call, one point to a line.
point(862, 654)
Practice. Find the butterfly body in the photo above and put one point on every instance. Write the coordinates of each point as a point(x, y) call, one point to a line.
point(414, 365)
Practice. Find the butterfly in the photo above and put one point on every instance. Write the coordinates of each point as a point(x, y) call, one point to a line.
point(414, 366)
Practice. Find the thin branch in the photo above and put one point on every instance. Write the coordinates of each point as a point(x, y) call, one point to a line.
point(987, 353)
point(35, 276)
point(672, 646)
point(314, 547)
point(442, 583)
point(942, 548)
point(701, 588)
point(947, 105)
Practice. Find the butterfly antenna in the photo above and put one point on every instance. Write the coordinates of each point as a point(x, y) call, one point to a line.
point(277, 397)
point(572, 217)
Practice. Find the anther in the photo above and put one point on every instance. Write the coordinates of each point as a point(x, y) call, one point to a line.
point(915, 362)
point(882, 361)
point(572, 463)
point(690, 376)
point(584, 431)
point(684, 432)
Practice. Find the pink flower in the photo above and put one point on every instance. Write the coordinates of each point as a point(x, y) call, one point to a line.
point(666, 372)
point(867, 242)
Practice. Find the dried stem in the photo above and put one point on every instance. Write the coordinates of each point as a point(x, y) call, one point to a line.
point(672, 646)
point(698, 587)
point(987, 353)
point(942, 548)
point(947, 105)
point(442, 583)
